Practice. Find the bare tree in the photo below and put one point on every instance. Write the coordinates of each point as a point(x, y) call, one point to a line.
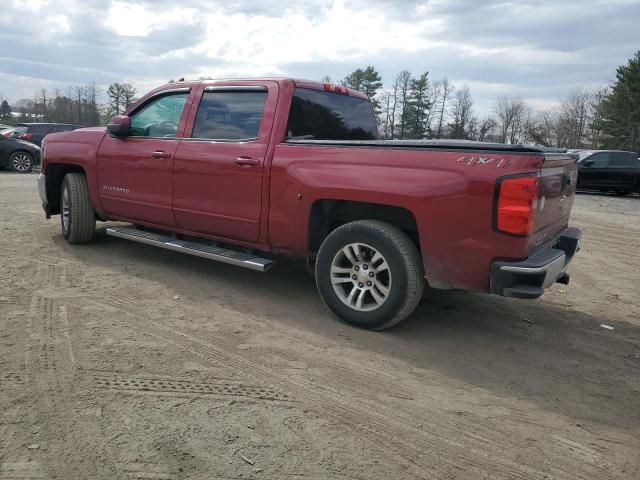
point(574, 117)
point(461, 113)
point(445, 94)
point(486, 128)
point(542, 129)
point(384, 126)
point(403, 84)
point(512, 115)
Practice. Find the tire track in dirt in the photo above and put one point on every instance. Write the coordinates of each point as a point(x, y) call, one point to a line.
point(147, 471)
point(163, 385)
point(27, 470)
point(478, 453)
point(12, 379)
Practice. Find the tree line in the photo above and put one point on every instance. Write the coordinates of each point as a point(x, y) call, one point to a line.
point(418, 107)
point(79, 105)
point(415, 107)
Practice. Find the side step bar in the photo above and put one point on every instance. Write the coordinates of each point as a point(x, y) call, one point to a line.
point(240, 259)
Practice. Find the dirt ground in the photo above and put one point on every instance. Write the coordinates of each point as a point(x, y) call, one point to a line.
point(121, 361)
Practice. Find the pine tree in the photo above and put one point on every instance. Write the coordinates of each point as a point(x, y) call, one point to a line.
point(367, 81)
point(121, 96)
point(418, 108)
point(620, 120)
point(5, 110)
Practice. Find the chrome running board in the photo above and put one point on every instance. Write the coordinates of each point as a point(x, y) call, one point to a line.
point(240, 259)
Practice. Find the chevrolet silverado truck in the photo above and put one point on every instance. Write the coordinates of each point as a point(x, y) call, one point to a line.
point(246, 171)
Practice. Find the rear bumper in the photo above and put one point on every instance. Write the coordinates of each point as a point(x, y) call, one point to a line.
point(530, 277)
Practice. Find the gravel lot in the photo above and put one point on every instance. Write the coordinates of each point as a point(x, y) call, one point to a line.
point(121, 361)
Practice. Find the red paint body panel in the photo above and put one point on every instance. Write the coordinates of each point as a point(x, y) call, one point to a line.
point(451, 201)
point(200, 190)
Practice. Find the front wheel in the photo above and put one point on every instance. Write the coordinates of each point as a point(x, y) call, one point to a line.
point(369, 274)
point(21, 162)
point(77, 216)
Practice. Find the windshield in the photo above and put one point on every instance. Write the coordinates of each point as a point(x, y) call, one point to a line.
point(320, 115)
point(583, 155)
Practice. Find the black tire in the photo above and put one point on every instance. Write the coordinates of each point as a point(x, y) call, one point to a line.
point(81, 217)
point(405, 270)
point(622, 193)
point(21, 162)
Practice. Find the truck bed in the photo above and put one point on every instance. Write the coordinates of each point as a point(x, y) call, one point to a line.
point(464, 145)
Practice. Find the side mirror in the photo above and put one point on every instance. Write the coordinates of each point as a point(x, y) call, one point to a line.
point(120, 126)
point(587, 163)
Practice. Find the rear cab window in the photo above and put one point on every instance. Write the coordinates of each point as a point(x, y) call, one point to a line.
point(322, 115)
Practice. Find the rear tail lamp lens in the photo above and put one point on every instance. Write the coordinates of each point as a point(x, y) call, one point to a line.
point(516, 205)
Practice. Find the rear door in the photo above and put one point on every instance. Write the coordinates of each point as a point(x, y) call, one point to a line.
point(622, 171)
point(218, 169)
point(594, 170)
point(39, 131)
point(135, 172)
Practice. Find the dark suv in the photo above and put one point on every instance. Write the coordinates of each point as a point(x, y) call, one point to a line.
point(35, 132)
point(608, 170)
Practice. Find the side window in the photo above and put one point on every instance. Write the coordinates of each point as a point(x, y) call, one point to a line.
point(159, 117)
point(230, 115)
point(40, 129)
point(623, 159)
point(600, 160)
point(65, 128)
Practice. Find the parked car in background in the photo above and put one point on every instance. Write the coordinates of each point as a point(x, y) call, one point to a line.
point(6, 131)
point(35, 132)
point(18, 155)
point(609, 170)
point(4, 127)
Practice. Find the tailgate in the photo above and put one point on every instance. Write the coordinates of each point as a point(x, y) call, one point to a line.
point(558, 178)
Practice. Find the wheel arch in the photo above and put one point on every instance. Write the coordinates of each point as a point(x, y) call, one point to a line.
point(55, 175)
point(328, 214)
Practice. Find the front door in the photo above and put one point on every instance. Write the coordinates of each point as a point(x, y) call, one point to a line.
point(135, 172)
point(218, 167)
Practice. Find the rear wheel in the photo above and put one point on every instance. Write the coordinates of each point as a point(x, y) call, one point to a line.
point(21, 162)
point(77, 216)
point(369, 274)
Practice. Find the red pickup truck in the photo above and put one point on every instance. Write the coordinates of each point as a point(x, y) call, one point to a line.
point(242, 171)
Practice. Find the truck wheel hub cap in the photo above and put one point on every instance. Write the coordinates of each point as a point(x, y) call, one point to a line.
point(361, 277)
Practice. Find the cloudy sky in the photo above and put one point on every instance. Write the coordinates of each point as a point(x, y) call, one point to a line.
point(536, 49)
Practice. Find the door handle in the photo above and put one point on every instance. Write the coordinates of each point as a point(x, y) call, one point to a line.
point(160, 154)
point(246, 161)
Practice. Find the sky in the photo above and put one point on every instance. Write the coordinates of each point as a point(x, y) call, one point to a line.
point(535, 49)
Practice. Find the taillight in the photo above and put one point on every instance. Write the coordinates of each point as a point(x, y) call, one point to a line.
point(330, 87)
point(25, 136)
point(516, 204)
